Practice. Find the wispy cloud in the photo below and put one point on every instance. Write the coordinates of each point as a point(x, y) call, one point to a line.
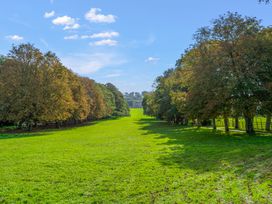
point(151, 39)
point(49, 14)
point(72, 27)
point(14, 37)
point(106, 42)
point(67, 21)
point(71, 37)
point(44, 42)
point(101, 35)
point(89, 63)
point(93, 15)
point(152, 60)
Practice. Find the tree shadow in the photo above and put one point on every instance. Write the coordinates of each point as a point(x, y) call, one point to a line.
point(22, 135)
point(48, 130)
point(204, 150)
point(44, 131)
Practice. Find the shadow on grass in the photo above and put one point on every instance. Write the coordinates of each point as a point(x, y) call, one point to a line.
point(48, 130)
point(22, 135)
point(204, 150)
point(43, 131)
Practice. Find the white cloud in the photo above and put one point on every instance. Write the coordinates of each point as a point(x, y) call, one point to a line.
point(152, 60)
point(105, 35)
point(70, 27)
point(92, 62)
point(15, 37)
point(101, 35)
point(106, 42)
point(67, 21)
point(64, 20)
point(85, 36)
point(93, 16)
point(71, 37)
point(49, 14)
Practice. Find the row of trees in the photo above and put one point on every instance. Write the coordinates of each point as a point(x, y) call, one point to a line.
point(134, 99)
point(37, 89)
point(227, 72)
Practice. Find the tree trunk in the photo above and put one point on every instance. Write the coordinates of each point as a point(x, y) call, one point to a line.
point(226, 123)
point(249, 125)
point(198, 123)
point(268, 122)
point(29, 127)
point(236, 125)
point(57, 125)
point(185, 121)
point(214, 123)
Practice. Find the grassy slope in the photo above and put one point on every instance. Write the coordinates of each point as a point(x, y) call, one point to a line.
point(133, 160)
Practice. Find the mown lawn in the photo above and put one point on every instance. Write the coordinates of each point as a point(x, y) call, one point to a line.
point(135, 160)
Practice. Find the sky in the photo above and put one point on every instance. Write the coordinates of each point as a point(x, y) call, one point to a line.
point(126, 42)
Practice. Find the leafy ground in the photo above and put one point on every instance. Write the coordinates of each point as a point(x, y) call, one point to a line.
point(135, 159)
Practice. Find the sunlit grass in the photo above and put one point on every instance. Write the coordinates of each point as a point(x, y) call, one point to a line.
point(259, 123)
point(135, 159)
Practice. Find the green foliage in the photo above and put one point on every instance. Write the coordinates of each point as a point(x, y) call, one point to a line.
point(109, 99)
point(227, 72)
point(134, 99)
point(121, 106)
point(36, 89)
point(135, 159)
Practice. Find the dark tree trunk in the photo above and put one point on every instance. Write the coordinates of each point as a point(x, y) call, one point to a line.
point(20, 124)
point(236, 125)
point(214, 123)
point(29, 127)
point(226, 123)
point(198, 123)
point(249, 125)
point(185, 121)
point(57, 124)
point(268, 122)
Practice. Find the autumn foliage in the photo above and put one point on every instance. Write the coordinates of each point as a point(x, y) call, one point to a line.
point(37, 89)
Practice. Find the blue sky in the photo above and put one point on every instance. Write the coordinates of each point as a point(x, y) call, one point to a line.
point(128, 43)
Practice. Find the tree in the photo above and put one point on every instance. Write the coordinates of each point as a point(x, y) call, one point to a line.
point(23, 67)
point(121, 106)
point(134, 99)
point(108, 100)
point(225, 73)
point(37, 89)
point(58, 102)
point(149, 104)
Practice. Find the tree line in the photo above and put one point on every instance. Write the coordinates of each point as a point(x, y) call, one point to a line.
point(134, 99)
point(227, 72)
point(37, 89)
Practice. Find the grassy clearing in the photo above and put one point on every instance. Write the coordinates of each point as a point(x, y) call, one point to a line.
point(135, 159)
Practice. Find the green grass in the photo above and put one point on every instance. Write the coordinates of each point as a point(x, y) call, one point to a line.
point(135, 159)
point(259, 123)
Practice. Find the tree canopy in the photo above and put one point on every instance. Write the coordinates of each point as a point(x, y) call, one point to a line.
point(37, 89)
point(225, 73)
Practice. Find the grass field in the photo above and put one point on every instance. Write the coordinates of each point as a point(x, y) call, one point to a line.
point(135, 159)
point(259, 123)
